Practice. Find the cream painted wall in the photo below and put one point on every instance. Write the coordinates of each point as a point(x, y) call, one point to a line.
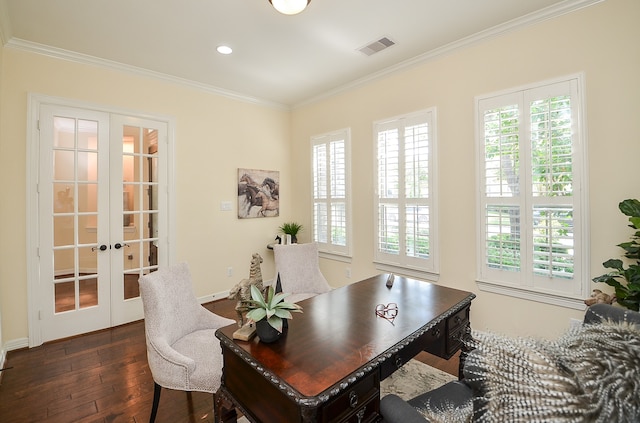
point(214, 136)
point(601, 41)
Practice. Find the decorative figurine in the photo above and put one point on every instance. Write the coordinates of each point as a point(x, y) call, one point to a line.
point(242, 291)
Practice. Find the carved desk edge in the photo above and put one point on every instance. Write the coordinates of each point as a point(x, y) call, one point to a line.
point(341, 386)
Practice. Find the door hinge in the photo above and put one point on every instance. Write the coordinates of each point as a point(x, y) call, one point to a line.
point(39, 314)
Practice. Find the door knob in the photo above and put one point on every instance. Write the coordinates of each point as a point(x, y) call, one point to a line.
point(101, 248)
point(117, 246)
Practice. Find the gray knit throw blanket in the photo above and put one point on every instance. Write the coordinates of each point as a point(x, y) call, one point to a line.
point(591, 374)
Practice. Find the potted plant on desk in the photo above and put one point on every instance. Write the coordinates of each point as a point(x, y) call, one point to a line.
point(269, 313)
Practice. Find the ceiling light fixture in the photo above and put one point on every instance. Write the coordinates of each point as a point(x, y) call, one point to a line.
point(290, 7)
point(224, 50)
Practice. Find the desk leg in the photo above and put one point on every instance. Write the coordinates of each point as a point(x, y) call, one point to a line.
point(466, 339)
point(223, 409)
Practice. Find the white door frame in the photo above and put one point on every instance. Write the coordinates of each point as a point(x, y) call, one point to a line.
point(34, 103)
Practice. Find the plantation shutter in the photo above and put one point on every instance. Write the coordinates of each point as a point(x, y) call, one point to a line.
point(530, 197)
point(404, 200)
point(330, 192)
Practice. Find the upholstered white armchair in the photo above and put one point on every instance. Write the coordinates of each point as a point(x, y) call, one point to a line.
point(182, 349)
point(298, 271)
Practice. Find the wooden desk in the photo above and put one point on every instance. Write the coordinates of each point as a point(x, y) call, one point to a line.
point(328, 366)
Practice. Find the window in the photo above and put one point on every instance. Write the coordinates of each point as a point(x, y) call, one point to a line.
point(331, 204)
point(405, 233)
point(531, 207)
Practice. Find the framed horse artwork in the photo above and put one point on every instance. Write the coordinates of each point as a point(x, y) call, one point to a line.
point(258, 193)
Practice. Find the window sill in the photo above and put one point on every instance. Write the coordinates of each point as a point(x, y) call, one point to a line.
point(408, 271)
point(335, 256)
point(526, 294)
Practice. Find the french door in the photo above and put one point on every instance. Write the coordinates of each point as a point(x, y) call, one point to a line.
point(101, 217)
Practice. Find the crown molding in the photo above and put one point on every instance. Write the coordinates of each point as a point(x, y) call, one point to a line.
point(551, 12)
point(73, 56)
point(542, 15)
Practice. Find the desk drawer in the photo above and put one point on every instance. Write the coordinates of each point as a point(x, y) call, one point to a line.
point(450, 333)
point(459, 319)
point(436, 344)
point(363, 395)
point(454, 340)
point(367, 413)
point(456, 328)
point(431, 341)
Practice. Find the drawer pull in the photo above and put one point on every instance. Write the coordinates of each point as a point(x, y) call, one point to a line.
point(457, 319)
point(353, 399)
point(398, 361)
point(360, 415)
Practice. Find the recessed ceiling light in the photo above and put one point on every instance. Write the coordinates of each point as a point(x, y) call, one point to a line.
point(224, 50)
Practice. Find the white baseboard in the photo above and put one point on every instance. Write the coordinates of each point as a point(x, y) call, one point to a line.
point(224, 294)
point(16, 344)
point(213, 297)
point(3, 360)
point(10, 346)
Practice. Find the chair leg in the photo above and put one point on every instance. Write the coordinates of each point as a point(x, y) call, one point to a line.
point(156, 400)
point(189, 403)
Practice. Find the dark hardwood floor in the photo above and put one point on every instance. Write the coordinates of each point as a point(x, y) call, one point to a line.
point(104, 377)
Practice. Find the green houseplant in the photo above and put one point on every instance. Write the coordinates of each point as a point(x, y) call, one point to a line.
point(291, 228)
point(627, 294)
point(270, 312)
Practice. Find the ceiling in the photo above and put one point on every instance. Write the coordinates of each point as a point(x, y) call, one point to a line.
point(284, 60)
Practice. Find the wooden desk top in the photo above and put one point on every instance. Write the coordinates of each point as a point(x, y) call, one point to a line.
point(339, 335)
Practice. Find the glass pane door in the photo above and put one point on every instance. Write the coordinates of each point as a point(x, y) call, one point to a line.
point(136, 222)
point(140, 205)
point(73, 222)
point(75, 214)
point(102, 220)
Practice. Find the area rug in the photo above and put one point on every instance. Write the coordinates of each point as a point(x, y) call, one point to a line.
point(412, 379)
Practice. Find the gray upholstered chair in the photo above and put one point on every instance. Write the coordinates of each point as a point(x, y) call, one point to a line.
point(182, 349)
point(298, 271)
point(613, 376)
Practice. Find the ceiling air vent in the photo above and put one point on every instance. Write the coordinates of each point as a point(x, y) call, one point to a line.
point(376, 46)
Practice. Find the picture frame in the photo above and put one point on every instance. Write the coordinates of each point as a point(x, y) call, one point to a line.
point(258, 193)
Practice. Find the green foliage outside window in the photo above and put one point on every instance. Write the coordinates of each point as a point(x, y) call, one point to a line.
point(551, 171)
point(338, 236)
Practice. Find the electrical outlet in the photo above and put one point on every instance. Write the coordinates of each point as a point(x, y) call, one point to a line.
point(229, 272)
point(347, 272)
